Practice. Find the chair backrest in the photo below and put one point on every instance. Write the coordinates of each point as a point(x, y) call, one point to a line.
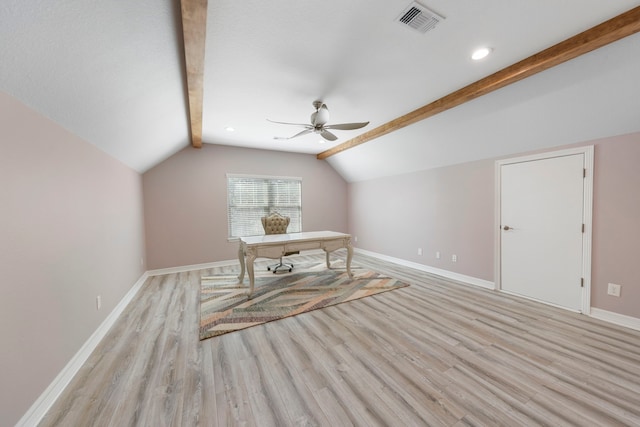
point(275, 223)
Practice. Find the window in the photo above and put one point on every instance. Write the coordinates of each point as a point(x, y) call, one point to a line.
point(249, 198)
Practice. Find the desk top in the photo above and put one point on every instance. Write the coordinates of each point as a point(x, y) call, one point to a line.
point(292, 237)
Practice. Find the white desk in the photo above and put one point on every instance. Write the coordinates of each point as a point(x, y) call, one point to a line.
point(276, 245)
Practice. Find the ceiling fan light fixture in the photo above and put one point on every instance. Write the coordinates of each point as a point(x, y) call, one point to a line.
point(320, 116)
point(229, 129)
point(481, 53)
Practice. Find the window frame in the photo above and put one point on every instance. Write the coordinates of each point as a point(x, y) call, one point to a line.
point(266, 209)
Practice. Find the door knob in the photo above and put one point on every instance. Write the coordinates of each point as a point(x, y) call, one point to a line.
point(507, 228)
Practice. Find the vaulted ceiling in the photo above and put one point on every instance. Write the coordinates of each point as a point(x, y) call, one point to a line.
point(114, 73)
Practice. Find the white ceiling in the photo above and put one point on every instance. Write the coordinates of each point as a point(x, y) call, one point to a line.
point(112, 72)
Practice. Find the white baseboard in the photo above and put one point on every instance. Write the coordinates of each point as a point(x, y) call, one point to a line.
point(444, 273)
point(37, 411)
point(185, 268)
point(607, 316)
point(46, 400)
point(618, 319)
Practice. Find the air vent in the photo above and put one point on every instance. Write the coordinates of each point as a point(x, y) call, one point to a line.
point(419, 18)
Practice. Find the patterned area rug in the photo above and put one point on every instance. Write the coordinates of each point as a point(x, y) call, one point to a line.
point(224, 306)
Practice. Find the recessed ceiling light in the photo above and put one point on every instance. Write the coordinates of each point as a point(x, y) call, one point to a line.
point(478, 54)
point(229, 129)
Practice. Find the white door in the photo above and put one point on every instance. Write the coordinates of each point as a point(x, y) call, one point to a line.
point(541, 217)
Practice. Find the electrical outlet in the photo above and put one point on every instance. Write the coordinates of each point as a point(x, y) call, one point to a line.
point(98, 302)
point(437, 254)
point(419, 251)
point(355, 239)
point(614, 290)
point(454, 258)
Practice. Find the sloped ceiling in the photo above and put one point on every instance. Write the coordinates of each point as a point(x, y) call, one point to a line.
point(109, 71)
point(114, 74)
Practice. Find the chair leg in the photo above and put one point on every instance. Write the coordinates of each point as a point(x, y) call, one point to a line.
point(280, 265)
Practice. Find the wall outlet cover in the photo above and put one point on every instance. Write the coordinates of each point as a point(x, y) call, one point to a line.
point(614, 290)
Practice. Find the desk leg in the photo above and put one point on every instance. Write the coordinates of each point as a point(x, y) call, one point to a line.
point(250, 258)
point(241, 259)
point(328, 263)
point(349, 256)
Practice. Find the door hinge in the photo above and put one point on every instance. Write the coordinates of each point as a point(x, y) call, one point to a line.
point(583, 228)
point(584, 172)
point(582, 282)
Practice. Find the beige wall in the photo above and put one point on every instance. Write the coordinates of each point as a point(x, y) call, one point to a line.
point(616, 219)
point(447, 209)
point(185, 200)
point(71, 228)
point(451, 210)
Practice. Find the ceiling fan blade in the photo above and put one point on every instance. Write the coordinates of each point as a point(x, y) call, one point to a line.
point(328, 135)
point(293, 124)
point(304, 132)
point(347, 126)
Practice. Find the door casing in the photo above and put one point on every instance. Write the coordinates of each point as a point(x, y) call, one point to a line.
point(587, 151)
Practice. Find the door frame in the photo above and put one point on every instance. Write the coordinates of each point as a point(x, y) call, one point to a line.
point(587, 151)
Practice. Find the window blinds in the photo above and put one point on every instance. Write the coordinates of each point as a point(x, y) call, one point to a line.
point(249, 198)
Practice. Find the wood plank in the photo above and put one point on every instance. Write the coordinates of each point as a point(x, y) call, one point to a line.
point(435, 353)
point(594, 38)
point(194, 30)
point(396, 366)
point(354, 401)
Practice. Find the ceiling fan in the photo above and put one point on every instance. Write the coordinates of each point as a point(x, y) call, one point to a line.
point(319, 124)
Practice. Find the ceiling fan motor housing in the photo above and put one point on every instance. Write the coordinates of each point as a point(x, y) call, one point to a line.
point(321, 116)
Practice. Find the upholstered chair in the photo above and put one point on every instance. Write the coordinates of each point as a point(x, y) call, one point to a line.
point(277, 224)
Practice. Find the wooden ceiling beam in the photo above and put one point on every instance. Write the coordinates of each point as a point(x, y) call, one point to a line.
point(609, 31)
point(194, 30)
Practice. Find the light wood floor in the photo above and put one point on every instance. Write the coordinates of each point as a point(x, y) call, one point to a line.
point(436, 353)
